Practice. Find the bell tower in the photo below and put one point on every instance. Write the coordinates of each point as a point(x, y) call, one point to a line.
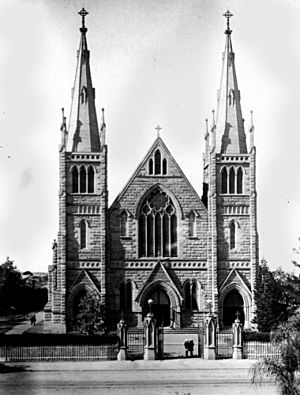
point(230, 178)
point(79, 255)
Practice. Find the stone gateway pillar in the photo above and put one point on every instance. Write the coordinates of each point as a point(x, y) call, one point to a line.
point(210, 336)
point(122, 333)
point(150, 335)
point(237, 328)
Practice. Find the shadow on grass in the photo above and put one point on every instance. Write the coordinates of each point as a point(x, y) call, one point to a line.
point(12, 369)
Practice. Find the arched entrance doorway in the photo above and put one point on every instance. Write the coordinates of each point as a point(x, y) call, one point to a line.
point(160, 307)
point(75, 306)
point(233, 303)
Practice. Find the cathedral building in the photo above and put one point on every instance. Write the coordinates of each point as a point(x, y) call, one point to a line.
point(159, 239)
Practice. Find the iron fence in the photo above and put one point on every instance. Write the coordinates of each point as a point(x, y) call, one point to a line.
point(58, 353)
point(256, 350)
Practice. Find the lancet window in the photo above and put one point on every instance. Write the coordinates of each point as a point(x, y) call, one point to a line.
point(157, 165)
point(126, 296)
point(83, 181)
point(232, 231)
point(232, 181)
point(158, 226)
point(82, 234)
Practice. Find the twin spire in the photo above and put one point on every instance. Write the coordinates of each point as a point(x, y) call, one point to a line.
point(227, 134)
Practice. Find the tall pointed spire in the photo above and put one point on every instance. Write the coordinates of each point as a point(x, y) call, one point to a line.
point(83, 134)
point(230, 124)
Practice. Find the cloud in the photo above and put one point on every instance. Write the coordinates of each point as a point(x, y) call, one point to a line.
point(26, 178)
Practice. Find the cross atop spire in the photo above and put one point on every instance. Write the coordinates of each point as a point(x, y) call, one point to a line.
point(83, 14)
point(228, 15)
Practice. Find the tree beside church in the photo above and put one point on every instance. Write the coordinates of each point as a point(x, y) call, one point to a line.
point(158, 240)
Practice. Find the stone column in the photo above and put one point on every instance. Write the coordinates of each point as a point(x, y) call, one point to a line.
point(237, 328)
point(150, 335)
point(122, 333)
point(210, 325)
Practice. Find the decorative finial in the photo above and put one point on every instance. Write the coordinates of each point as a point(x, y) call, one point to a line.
point(103, 120)
point(83, 14)
point(158, 128)
point(228, 15)
point(237, 315)
point(251, 112)
point(206, 125)
point(213, 118)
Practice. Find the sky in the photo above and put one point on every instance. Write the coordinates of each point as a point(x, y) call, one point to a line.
point(152, 62)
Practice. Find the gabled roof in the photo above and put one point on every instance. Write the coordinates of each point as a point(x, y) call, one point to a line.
point(84, 277)
point(140, 171)
point(159, 274)
point(234, 277)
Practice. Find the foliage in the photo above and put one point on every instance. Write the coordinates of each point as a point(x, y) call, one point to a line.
point(256, 336)
point(284, 369)
point(90, 316)
point(15, 294)
point(277, 296)
point(10, 279)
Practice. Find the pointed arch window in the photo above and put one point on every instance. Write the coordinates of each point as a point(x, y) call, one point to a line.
point(83, 95)
point(125, 296)
point(82, 234)
point(91, 177)
point(232, 231)
point(164, 166)
point(150, 166)
point(231, 98)
point(224, 180)
point(192, 224)
point(157, 226)
point(82, 180)
point(239, 180)
point(75, 180)
point(194, 296)
point(231, 180)
point(157, 162)
point(124, 224)
point(187, 295)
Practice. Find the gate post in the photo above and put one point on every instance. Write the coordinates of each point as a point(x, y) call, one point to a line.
point(122, 333)
point(237, 328)
point(210, 324)
point(150, 335)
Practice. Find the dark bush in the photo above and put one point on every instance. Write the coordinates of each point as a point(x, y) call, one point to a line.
point(256, 336)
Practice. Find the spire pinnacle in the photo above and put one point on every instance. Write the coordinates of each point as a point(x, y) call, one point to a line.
point(228, 15)
point(83, 13)
point(83, 125)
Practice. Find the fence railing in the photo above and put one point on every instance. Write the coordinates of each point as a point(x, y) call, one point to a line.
point(256, 350)
point(59, 353)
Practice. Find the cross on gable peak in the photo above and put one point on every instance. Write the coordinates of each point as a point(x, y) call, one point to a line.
point(158, 128)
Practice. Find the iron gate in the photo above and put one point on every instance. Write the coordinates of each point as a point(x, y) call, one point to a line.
point(135, 344)
point(224, 345)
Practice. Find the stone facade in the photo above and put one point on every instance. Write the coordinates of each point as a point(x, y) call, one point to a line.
point(159, 240)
